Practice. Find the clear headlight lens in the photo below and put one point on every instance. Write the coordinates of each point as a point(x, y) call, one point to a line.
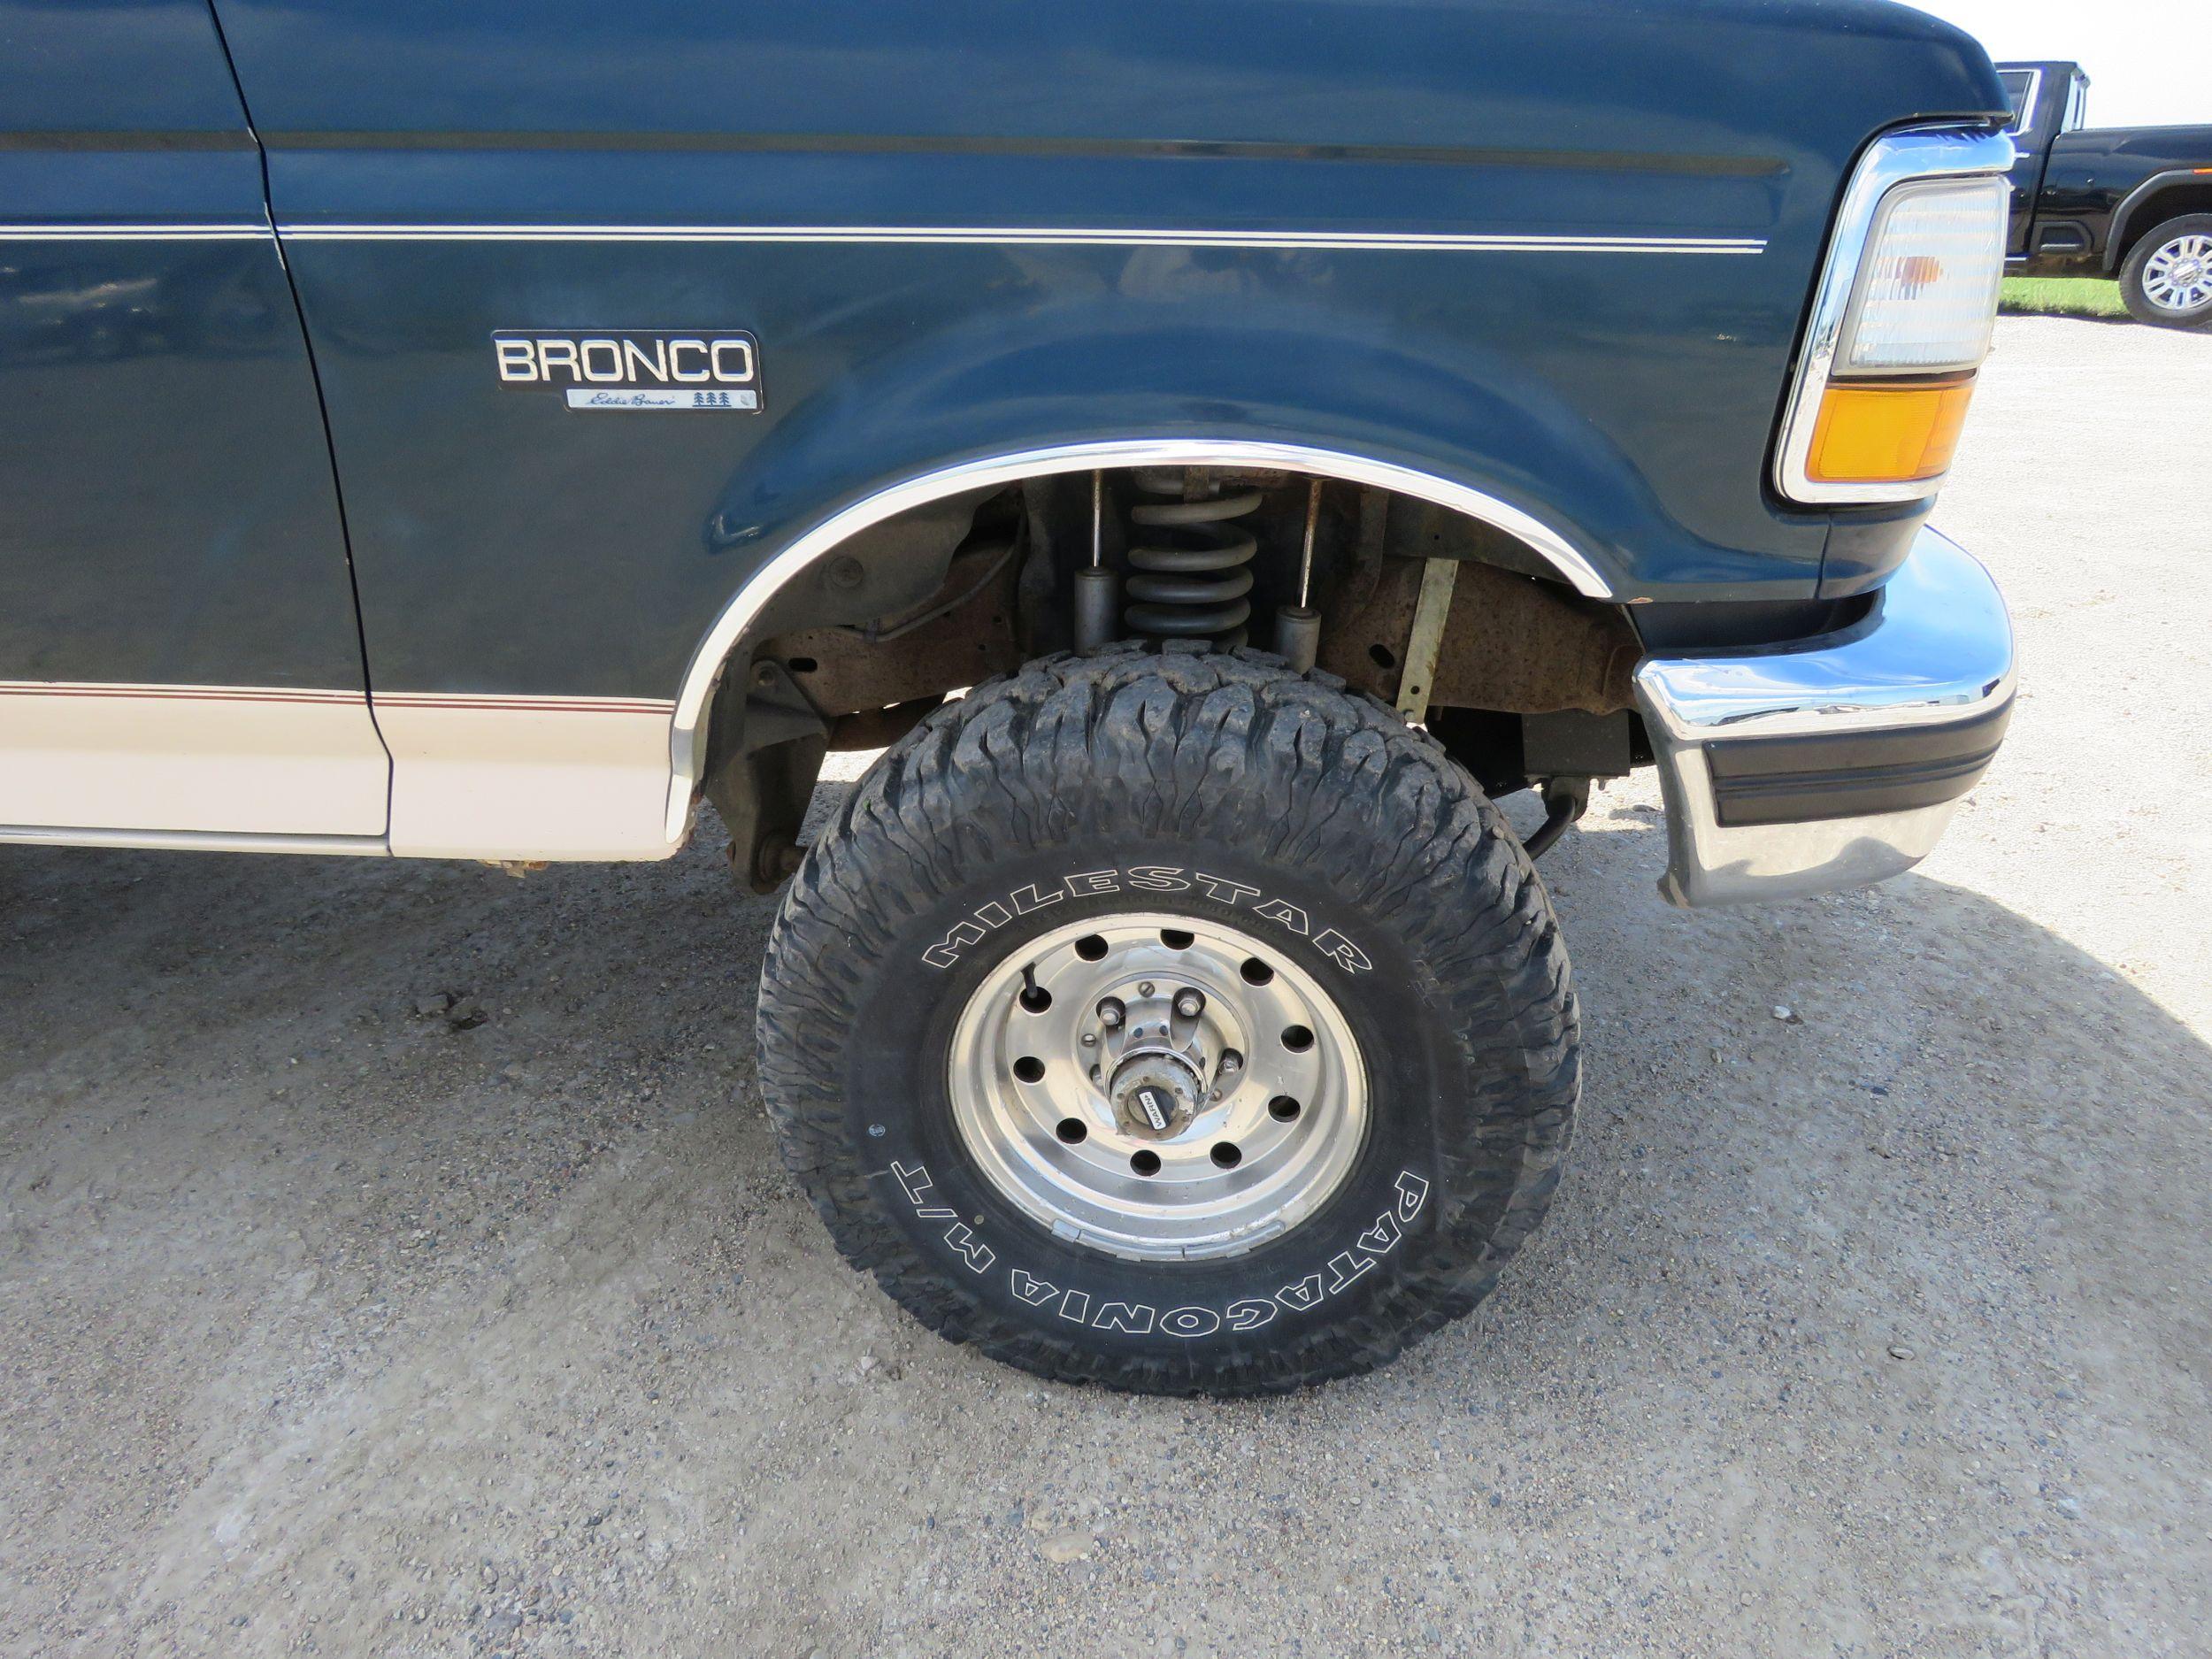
point(1927, 290)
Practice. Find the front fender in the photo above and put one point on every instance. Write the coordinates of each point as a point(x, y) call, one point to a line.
point(1235, 368)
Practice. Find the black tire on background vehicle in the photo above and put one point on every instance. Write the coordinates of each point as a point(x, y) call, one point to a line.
point(2166, 277)
point(1172, 1021)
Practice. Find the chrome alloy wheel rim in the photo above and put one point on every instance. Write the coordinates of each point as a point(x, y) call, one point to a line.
point(1158, 1088)
point(2179, 277)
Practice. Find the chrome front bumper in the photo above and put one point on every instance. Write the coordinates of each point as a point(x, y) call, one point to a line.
point(1831, 762)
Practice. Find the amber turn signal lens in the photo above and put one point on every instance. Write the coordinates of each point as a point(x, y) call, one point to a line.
point(1884, 432)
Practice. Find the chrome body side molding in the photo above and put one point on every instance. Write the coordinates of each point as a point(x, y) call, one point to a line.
point(135, 233)
point(1038, 236)
point(1833, 762)
point(685, 740)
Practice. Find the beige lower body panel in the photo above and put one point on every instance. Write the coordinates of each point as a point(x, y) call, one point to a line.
point(245, 768)
point(224, 760)
point(527, 778)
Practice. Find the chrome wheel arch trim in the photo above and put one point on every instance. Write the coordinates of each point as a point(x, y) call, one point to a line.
point(685, 749)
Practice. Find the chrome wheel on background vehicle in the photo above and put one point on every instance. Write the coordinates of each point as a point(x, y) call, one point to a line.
point(1173, 1020)
point(1157, 1087)
point(2179, 276)
point(2167, 278)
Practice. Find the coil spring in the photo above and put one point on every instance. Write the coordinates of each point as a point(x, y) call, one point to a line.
point(1191, 574)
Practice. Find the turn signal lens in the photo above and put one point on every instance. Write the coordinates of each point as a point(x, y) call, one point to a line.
point(1872, 431)
point(1927, 293)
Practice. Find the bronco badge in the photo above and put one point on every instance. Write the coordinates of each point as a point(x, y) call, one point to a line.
point(635, 368)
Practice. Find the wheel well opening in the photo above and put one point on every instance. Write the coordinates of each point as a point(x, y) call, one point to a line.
point(2173, 201)
point(1339, 574)
point(931, 601)
point(925, 603)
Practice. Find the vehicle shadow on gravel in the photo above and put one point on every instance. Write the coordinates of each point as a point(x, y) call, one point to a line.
point(320, 1293)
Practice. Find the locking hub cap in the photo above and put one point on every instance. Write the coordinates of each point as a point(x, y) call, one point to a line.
point(1154, 1097)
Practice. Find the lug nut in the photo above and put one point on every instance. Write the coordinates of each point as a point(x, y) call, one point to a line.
point(1231, 1060)
point(1111, 1013)
point(1189, 1002)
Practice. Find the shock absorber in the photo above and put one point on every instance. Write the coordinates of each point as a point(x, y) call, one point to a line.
point(1191, 563)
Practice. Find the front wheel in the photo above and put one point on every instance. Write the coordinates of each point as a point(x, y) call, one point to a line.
point(1173, 1021)
point(2166, 277)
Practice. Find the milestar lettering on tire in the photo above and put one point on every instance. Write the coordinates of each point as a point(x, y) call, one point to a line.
point(1147, 879)
point(1173, 1021)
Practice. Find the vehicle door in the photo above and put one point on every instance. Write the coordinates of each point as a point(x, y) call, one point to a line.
point(179, 654)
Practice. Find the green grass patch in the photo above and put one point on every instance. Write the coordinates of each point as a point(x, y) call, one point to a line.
point(2063, 296)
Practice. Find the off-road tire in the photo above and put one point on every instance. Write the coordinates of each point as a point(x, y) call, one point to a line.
point(1267, 782)
point(2138, 303)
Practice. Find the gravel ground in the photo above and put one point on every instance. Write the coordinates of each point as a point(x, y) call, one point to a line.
point(327, 1326)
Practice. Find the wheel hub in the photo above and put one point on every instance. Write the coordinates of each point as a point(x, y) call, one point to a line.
point(1157, 1087)
point(1154, 1042)
point(1155, 1096)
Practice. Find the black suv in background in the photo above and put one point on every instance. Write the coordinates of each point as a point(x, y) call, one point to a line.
point(2134, 202)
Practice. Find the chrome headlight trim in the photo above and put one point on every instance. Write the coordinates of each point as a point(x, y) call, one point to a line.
point(1909, 155)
